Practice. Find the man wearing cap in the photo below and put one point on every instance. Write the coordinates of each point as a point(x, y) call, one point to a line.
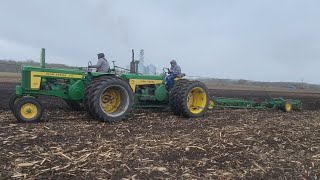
point(174, 72)
point(102, 64)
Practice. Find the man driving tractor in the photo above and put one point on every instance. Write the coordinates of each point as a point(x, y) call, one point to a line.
point(174, 72)
point(102, 64)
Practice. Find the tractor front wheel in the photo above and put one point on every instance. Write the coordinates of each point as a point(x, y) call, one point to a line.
point(110, 99)
point(28, 110)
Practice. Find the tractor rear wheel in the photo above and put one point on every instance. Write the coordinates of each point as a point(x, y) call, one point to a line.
point(28, 110)
point(88, 90)
point(13, 101)
point(86, 98)
point(110, 99)
point(173, 96)
point(192, 99)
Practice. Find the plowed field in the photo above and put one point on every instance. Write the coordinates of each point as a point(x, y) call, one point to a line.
point(154, 144)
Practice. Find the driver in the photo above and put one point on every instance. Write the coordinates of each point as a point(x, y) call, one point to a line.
point(174, 72)
point(102, 64)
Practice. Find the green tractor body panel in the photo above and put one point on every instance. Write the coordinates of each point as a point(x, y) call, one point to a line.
point(31, 75)
point(146, 77)
point(99, 74)
point(76, 90)
point(68, 84)
point(161, 93)
point(149, 90)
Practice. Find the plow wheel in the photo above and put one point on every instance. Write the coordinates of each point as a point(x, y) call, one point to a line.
point(28, 109)
point(211, 104)
point(287, 107)
point(110, 99)
point(193, 99)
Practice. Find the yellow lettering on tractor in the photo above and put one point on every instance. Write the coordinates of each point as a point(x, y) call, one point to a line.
point(36, 77)
point(136, 82)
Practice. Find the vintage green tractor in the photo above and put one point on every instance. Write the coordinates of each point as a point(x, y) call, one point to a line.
point(107, 97)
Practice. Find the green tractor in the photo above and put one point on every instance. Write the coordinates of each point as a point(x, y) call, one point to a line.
point(107, 97)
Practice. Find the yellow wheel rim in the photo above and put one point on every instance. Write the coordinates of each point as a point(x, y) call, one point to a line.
point(288, 106)
point(110, 100)
point(196, 100)
point(211, 104)
point(29, 111)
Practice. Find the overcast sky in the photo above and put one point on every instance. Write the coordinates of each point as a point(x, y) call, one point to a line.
point(267, 40)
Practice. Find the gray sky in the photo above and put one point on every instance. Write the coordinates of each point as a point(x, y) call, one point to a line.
point(267, 40)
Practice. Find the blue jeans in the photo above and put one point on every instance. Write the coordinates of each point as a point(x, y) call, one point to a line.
point(170, 81)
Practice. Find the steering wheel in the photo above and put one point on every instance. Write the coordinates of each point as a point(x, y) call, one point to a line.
point(166, 70)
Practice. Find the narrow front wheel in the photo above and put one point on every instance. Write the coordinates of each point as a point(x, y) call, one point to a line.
point(28, 110)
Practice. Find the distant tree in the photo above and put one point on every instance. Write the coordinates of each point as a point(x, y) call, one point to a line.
point(242, 82)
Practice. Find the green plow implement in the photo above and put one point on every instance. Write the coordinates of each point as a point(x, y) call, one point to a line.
point(286, 105)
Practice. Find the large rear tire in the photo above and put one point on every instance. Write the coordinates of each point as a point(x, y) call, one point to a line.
point(173, 96)
point(86, 98)
point(13, 101)
point(89, 89)
point(193, 99)
point(110, 99)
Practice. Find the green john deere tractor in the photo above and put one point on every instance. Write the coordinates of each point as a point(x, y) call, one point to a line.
point(107, 97)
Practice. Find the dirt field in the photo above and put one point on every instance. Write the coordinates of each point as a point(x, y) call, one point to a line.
point(9, 77)
point(154, 144)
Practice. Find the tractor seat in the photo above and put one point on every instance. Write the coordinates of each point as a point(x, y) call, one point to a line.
point(180, 76)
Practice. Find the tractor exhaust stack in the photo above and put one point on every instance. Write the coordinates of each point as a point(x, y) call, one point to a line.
point(132, 64)
point(43, 58)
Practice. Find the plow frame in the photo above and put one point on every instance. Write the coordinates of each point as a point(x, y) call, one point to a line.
point(238, 103)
